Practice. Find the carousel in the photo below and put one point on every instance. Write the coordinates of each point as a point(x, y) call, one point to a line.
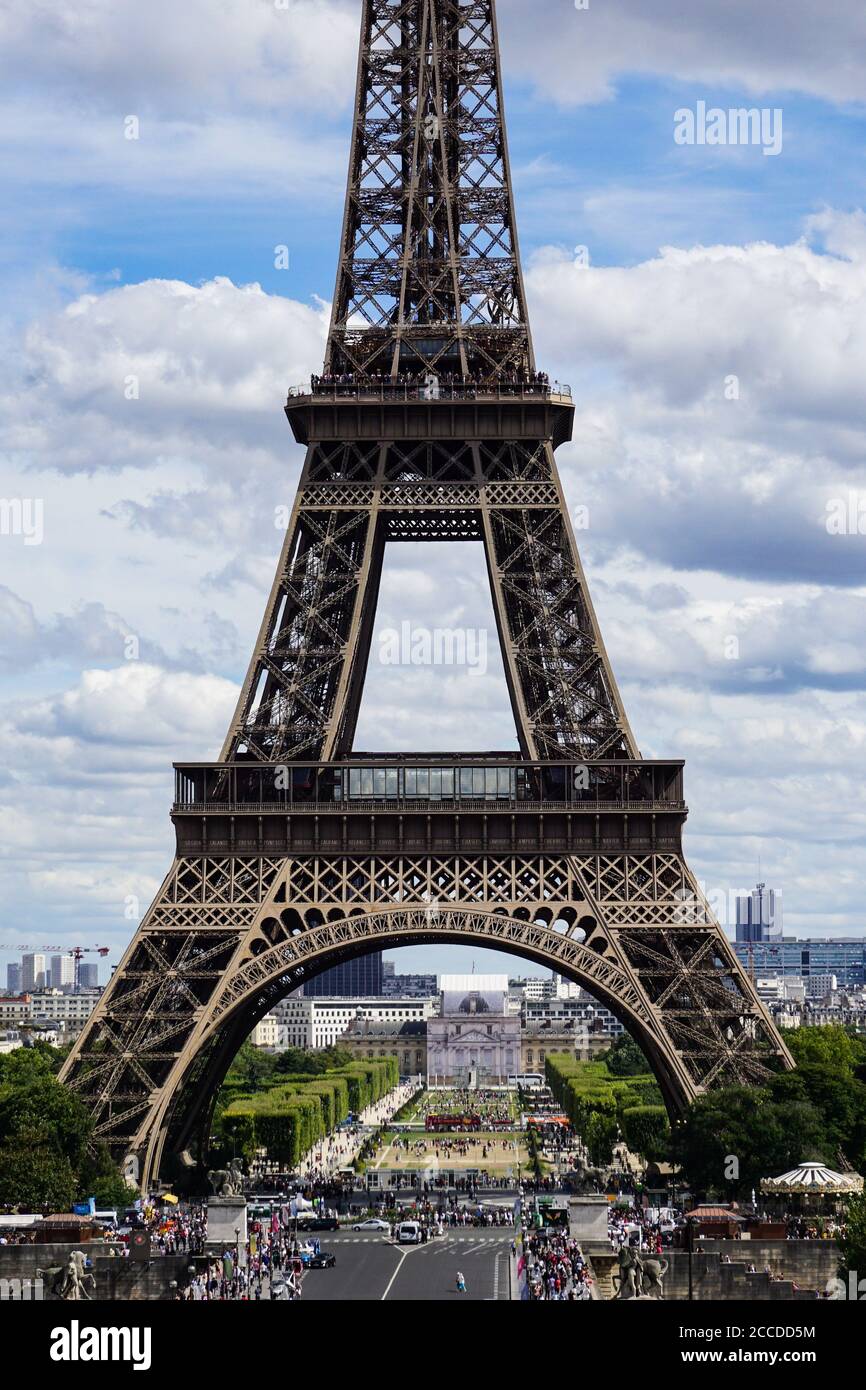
point(813, 1187)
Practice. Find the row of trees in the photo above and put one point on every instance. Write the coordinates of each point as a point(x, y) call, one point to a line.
point(732, 1138)
point(48, 1157)
point(602, 1105)
point(288, 1115)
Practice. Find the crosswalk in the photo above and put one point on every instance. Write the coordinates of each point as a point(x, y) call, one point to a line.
point(468, 1247)
point(440, 1243)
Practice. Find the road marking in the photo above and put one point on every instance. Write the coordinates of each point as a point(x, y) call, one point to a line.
point(403, 1255)
point(496, 1274)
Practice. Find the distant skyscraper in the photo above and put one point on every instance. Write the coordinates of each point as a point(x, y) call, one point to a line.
point(13, 977)
point(62, 972)
point(88, 975)
point(33, 973)
point(759, 916)
point(844, 957)
point(354, 979)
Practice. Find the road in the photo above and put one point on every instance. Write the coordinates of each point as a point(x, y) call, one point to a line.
point(373, 1268)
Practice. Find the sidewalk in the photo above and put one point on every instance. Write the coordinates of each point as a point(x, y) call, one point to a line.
point(340, 1150)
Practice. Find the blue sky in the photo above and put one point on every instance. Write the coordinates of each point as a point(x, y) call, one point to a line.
point(581, 175)
point(707, 517)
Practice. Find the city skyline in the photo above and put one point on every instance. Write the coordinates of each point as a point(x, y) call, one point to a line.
point(111, 678)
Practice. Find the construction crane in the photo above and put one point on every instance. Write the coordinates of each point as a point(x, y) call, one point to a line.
point(76, 952)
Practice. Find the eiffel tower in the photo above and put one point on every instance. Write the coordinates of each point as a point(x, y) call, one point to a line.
point(430, 422)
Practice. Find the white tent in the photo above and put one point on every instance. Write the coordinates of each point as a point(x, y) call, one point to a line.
point(813, 1178)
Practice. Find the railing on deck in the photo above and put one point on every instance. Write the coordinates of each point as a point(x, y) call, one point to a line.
point(430, 390)
point(430, 784)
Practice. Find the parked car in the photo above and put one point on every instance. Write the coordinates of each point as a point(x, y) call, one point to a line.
point(326, 1259)
point(373, 1223)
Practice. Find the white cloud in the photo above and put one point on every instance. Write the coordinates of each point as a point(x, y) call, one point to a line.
point(177, 59)
point(160, 369)
point(706, 521)
point(84, 794)
point(136, 705)
point(578, 55)
point(724, 381)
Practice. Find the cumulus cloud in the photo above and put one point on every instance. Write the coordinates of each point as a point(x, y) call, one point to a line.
point(86, 787)
point(159, 370)
point(301, 53)
point(91, 632)
point(577, 55)
point(180, 59)
point(721, 386)
point(706, 523)
point(136, 704)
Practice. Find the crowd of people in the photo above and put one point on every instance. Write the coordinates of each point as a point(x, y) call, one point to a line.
point(453, 1146)
point(491, 1106)
point(431, 385)
point(815, 1228)
point(555, 1268)
point(636, 1225)
point(270, 1266)
point(428, 1183)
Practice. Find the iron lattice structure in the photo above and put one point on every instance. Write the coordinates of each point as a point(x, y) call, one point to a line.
point(430, 422)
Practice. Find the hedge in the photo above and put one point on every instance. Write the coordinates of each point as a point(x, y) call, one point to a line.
point(597, 1103)
point(646, 1129)
point(288, 1119)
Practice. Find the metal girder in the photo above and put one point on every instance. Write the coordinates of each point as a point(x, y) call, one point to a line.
point(429, 261)
point(302, 693)
point(675, 984)
point(429, 284)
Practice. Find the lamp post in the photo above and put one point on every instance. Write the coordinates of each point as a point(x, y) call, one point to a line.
point(690, 1234)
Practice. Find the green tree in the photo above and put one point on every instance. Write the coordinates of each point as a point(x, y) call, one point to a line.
point(251, 1067)
point(647, 1131)
point(840, 1098)
point(47, 1155)
point(624, 1058)
point(764, 1138)
point(27, 1064)
point(833, 1047)
point(48, 1114)
point(852, 1245)
point(600, 1135)
point(101, 1178)
point(34, 1177)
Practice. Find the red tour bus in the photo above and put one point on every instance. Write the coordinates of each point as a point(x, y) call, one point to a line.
point(438, 1124)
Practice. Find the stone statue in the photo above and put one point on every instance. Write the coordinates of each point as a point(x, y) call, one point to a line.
point(653, 1272)
point(76, 1279)
point(639, 1278)
point(628, 1280)
point(588, 1181)
point(227, 1182)
point(52, 1277)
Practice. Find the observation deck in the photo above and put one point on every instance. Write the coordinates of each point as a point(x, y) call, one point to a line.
point(430, 408)
point(436, 803)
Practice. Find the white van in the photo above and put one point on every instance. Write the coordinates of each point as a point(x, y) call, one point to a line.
point(408, 1233)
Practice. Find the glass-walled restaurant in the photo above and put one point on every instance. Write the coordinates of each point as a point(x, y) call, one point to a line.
point(385, 784)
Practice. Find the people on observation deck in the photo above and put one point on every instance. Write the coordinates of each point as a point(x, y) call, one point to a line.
point(517, 381)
